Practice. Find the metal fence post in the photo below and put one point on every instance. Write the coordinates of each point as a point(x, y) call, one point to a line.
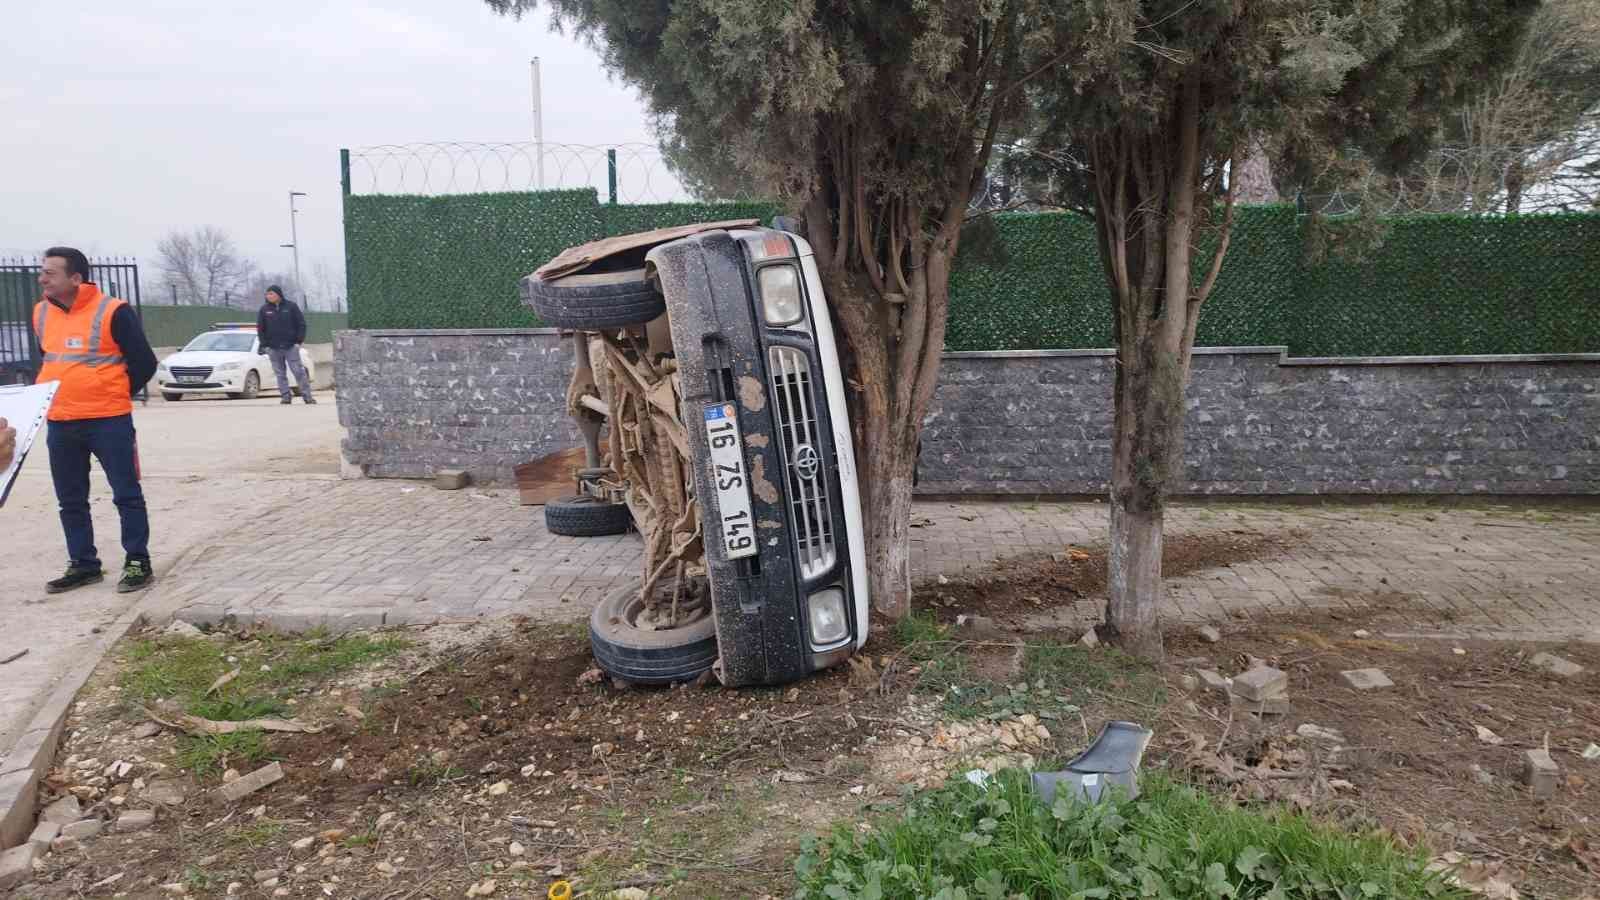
point(611, 173)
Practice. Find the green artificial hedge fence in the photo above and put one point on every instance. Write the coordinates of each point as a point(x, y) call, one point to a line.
point(1437, 284)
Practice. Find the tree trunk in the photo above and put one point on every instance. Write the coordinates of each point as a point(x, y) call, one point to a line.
point(1252, 182)
point(1516, 174)
point(1133, 607)
point(1147, 431)
point(888, 522)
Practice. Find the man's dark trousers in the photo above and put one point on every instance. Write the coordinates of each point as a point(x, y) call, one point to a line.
point(113, 442)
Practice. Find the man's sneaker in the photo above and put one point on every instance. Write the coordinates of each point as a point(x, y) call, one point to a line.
point(285, 402)
point(310, 400)
point(75, 578)
point(136, 576)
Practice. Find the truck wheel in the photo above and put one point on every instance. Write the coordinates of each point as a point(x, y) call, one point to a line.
point(584, 516)
point(648, 657)
point(595, 299)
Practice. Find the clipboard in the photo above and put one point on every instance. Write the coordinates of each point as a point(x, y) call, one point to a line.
point(24, 408)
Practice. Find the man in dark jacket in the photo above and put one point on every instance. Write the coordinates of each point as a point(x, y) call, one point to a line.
point(280, 330)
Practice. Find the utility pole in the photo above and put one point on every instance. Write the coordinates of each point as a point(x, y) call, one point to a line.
point(538, 127)
point(294, 238)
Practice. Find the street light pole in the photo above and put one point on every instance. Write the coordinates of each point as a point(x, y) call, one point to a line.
point(294, 237)
point(538, 126)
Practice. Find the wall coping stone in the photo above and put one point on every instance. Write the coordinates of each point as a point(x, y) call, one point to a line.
point(448, 332)
point(1284, 359)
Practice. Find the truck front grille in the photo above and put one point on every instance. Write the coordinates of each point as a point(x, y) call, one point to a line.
point(795, 404)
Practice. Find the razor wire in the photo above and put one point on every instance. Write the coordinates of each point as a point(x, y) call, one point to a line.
point(636, 171)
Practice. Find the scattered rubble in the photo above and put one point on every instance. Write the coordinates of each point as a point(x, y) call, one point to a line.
point(1556, 665)
point(1214, 681)
point(16, 865)
point(1540, 773)
point(145, 730)
point(1209, 634)
point(451, 479)
point(63, 812)
point(1366, 679)
point(180, 628)
point(136, 820)
point(1261, 684)
point(82, 829)
point(249, 784)
point(166, 792)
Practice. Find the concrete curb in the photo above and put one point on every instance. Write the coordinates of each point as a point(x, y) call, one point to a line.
point(31, 756)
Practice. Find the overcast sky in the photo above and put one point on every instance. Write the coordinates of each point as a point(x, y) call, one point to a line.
point(120, 122)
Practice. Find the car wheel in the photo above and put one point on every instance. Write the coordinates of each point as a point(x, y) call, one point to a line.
point(171, 397)
point(584, 516)
point(649, 656)
point(252, 385)
point(591, 300)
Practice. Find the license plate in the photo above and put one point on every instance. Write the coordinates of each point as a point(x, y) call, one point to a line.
point(190, 379)
point(728, 471)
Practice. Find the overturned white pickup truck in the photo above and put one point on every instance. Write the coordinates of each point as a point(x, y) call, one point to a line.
point(706, 356)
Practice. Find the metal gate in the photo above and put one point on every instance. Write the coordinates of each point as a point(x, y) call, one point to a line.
point(19, 291)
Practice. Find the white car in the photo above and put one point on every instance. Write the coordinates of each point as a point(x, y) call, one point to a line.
point(223, 360)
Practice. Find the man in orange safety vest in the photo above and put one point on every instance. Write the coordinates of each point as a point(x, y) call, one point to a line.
point(95, 346)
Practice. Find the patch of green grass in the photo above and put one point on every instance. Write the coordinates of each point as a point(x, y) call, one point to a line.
point(999, 842)
point(185, 668)
point(920, 632)
point(213, 753)
point(198, 879)
point(1054, 678)
point(360, 839)
point(295, 659)
point(233, 708)
point(256, 835)
point(427, 772)
point(270, 668)
point(171, 667)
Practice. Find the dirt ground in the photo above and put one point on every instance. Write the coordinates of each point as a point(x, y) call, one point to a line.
point(494, 754)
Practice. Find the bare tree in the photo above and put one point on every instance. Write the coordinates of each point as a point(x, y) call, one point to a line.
point(203, 265)
point(327, 281)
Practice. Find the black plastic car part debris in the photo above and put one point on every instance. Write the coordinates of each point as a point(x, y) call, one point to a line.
point(1111, 762)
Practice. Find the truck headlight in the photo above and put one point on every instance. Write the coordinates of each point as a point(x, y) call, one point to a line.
point(227, 367)
point(828, 622)
point(780, 294)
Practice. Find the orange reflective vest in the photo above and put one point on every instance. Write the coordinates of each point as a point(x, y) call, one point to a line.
point(80, 352)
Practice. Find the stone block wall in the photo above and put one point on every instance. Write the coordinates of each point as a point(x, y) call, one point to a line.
point(1259, 423)
point(1040, 422)
point(414, 402)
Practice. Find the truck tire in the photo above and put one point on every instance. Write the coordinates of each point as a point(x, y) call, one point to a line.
point(594, 300)
point(648, 657)
point(584, 516)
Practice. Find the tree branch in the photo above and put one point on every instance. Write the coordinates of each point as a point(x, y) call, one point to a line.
point(1235, 159)
point(865, 246)
point(1044, 67)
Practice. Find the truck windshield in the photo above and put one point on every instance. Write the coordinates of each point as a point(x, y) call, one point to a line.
point(235, 341)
